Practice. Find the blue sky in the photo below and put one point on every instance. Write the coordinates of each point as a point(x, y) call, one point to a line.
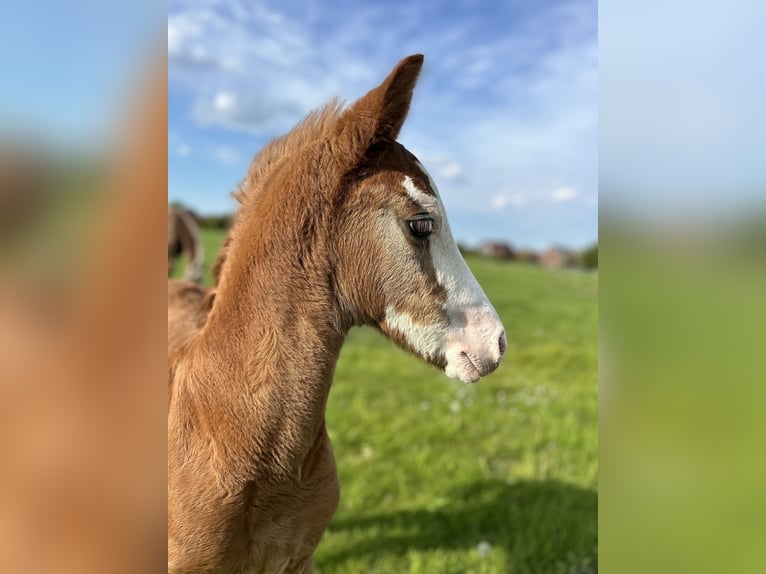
point(504, 115)
point(513, 100)
point(682, 93)
point(70, 68)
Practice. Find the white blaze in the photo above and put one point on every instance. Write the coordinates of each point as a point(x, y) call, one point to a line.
point(471, 343)
point(452, 273)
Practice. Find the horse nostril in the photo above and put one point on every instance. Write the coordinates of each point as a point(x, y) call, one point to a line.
point(502, 344)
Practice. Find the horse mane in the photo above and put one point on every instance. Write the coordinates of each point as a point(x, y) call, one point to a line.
point(317, 125)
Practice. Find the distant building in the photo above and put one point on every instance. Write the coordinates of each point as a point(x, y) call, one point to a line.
point(497, 250)
point(557, 258)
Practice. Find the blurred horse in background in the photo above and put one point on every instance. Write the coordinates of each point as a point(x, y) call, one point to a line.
point(184, 240)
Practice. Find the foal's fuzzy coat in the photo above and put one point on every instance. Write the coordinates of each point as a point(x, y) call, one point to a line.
point(252, 482)
point(339, 226)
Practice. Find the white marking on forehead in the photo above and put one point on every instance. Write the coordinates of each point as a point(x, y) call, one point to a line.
point(425, 200)
point(428, 340)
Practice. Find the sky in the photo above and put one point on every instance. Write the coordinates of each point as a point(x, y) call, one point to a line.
point(682, 92)
point(70, 68)
point(522, 106)
point(505, 114)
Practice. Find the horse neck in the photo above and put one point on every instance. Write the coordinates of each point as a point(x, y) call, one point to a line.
point(272, 339)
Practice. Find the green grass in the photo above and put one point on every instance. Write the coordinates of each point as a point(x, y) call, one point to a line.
point(500, 476)
point(212, 240)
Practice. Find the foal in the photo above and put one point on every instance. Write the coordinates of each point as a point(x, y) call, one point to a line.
point(339, 226)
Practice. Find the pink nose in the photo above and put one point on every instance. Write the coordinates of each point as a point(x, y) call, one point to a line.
point(475, 349)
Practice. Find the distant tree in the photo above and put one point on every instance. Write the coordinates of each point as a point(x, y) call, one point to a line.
point(589, 257)
point(216, 221)
point(466, 249)
point(527, 256)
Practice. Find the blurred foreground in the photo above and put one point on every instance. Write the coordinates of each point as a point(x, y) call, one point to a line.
point(681, 392)
point(82, 348)
point(682, 191)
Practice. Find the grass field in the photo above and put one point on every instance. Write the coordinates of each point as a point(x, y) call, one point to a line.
point(500, 476)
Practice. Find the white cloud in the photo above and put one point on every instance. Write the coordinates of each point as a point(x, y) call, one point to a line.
point(499, 201)
point(503, 200)
point(224, 102)
point(273, 65)
point(450, 170)
point(249, 68)
point(186, 39)
point(183, 150)
point(256, 112)
point(561, 194)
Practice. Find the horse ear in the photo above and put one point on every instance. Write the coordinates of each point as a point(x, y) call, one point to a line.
point(377, 117)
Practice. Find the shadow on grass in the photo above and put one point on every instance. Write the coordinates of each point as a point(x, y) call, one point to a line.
point(541, 526)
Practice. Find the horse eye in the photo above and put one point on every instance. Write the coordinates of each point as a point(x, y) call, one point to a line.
point(421, 228)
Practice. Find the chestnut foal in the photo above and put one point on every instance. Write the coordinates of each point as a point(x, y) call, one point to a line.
point(339, 226)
